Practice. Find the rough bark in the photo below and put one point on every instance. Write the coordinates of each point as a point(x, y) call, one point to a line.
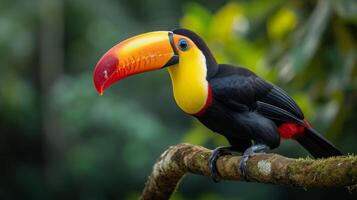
point(175, 162)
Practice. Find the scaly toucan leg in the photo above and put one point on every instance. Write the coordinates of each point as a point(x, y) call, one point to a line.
point(257, 148)
point(218, 152)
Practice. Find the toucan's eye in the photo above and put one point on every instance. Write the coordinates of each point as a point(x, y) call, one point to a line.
point(183, 44)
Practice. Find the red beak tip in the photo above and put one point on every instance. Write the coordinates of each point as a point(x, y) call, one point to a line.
point(99, 89)
point(104, 71)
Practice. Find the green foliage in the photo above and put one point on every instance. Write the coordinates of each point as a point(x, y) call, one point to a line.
point(60, 140)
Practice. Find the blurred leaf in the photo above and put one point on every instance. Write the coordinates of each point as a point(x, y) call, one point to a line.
point(306, 44)
point(346, 9)
point(348, 53)
point(256, 10)
point(281, 23)
point(197, 18)
point(304, 103)
point(227, 19)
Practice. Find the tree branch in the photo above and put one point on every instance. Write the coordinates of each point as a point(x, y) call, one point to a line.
point(175, 162)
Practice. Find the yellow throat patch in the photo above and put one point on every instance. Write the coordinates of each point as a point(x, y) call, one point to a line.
point(189, 83)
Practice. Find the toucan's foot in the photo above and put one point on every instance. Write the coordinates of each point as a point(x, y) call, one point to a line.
point(219, 151)
point(258, 148)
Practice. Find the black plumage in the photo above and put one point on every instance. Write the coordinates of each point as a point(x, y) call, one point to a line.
point(234, 112)
point(245, 108)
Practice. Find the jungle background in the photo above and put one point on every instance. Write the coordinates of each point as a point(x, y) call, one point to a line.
point(60, 140)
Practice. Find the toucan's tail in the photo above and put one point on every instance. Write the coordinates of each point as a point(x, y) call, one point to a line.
point(317, 145)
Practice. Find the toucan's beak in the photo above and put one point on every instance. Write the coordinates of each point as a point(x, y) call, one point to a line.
point(146, 52)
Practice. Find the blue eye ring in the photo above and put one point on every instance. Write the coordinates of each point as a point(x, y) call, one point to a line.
point(183, 44)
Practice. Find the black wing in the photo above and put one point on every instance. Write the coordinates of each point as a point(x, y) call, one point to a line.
point(241, 89)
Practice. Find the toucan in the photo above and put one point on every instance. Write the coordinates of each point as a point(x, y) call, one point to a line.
point(252, 113)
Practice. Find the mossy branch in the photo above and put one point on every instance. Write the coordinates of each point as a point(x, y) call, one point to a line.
point(175, 162)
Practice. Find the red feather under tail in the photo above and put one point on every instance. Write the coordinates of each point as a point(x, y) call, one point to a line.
point(291, 130)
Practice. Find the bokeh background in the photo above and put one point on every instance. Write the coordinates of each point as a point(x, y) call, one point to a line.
point(60, 140)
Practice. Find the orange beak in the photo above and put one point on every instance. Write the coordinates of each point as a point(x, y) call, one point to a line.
point(146, 52)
